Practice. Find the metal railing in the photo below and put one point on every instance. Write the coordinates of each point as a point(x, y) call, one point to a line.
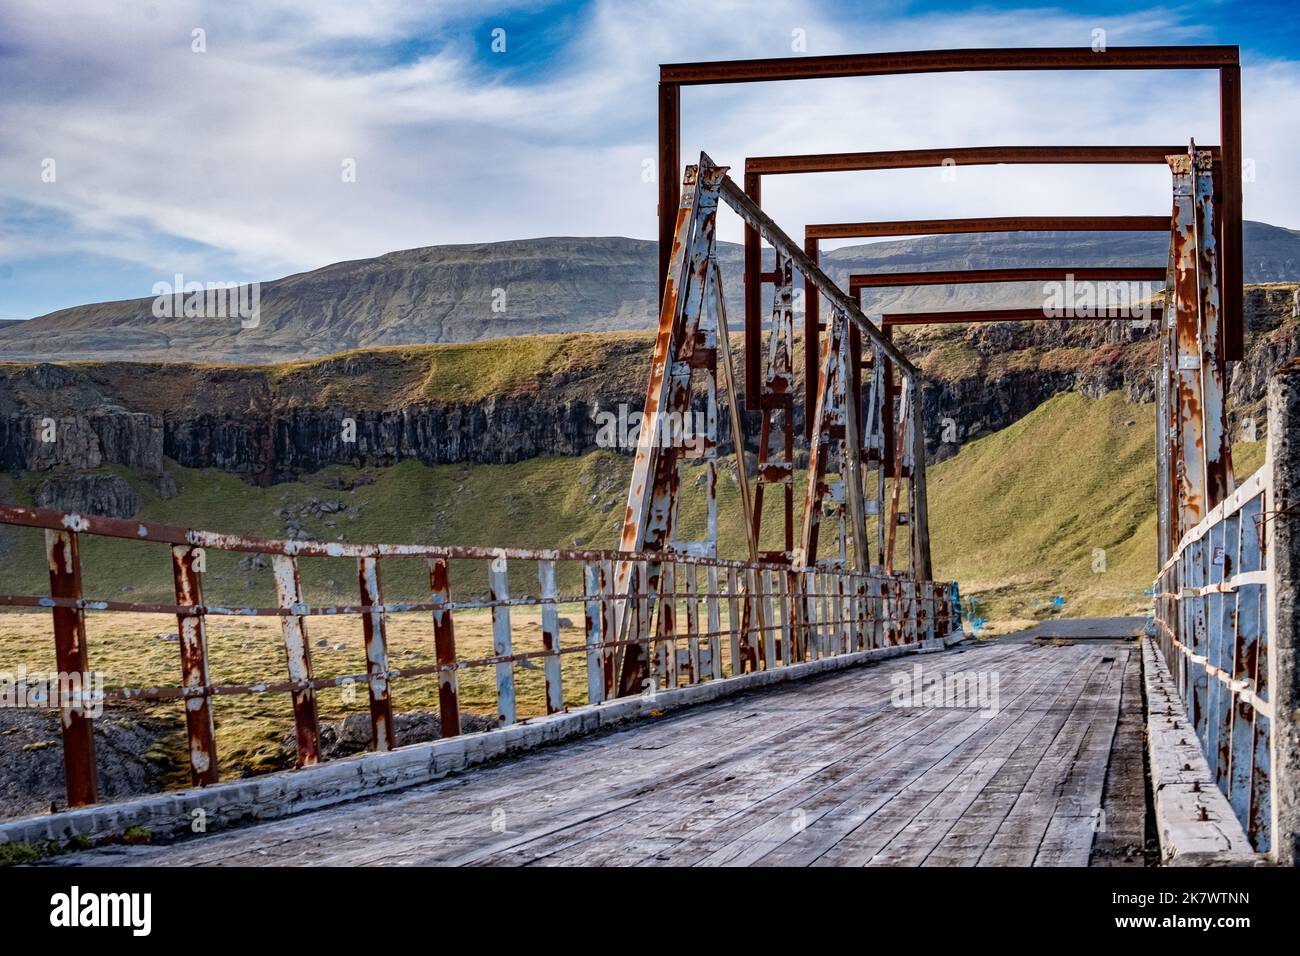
point(775, 616)
point(1211, 610)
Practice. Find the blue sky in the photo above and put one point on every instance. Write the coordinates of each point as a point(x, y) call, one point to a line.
point(227, 163)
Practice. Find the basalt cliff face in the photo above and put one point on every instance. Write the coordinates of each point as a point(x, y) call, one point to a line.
point(513, 399)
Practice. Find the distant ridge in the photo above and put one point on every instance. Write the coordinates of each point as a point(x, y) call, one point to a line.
point(465, 293)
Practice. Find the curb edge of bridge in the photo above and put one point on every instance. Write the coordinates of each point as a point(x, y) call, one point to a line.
point(171, 815)
point(1182, 785)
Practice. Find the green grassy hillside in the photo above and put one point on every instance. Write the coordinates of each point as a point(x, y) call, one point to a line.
point(1017, 517)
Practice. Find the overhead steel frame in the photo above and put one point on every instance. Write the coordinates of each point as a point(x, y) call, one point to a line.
point(1193, 454)
point(1225, 236)
point(1224, 59)
point(769, 401)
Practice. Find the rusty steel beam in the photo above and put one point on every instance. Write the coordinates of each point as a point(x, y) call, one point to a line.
point(1154, 314)
point(813, 275)
point(930, 227)
point(811, 345)
point(200, 731)
point(670, 164)
point(753, 290)
point(1011, 59)
point(1218, 448)
point(63, 556)
point(889, 280)
point(1231, 247)
point(919, 518)
point(1189, 504)
point(959, 156)
point(29, 517)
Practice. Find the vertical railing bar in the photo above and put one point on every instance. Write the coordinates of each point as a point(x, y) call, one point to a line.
point(293, 627)
point(714, 642)
point(826, 633)
point(846, 612)
point(733, 619)
point(550, 637)
point(692, 624)
point(444, 641)
point(666, 631)
point(608, 633)
point(768, 623)
point(643, 620)
point(787, 650)
point(1233, 536)
point(81, 779)
point(808, 642)
point(593, 630)
point(502, 639)
point(200, 726)
point(375, 634)
point(1259, 825)
point(753, 600)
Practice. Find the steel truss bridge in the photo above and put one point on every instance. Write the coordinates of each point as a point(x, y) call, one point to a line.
point(843, 580)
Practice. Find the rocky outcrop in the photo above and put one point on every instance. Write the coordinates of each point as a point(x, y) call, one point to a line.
point(38, 443)
point(109, 496)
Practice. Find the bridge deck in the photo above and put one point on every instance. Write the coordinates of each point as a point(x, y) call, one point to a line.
point(823, 772)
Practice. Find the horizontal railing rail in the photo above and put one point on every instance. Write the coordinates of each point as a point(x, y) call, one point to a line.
point(1211, 610)
point(725, 618)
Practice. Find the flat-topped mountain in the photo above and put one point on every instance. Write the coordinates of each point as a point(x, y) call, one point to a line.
point(465, 293)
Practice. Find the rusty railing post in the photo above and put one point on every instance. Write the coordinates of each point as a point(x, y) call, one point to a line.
point(293, 626)
point(444, 641)
point(64, 558)
point(374, 630)
point(187, 568)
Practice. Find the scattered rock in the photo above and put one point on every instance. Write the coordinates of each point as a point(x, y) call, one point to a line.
point(31, 756)
point(163, 485)
point(254, 562)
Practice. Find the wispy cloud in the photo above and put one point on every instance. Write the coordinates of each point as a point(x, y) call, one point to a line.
point(229, 163)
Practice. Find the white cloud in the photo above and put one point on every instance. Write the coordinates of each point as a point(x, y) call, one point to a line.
point(239, 148)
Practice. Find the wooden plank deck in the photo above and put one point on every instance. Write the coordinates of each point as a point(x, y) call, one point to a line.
point(825, 772)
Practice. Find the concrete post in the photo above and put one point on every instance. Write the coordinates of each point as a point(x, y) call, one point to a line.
point(1284, 613)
